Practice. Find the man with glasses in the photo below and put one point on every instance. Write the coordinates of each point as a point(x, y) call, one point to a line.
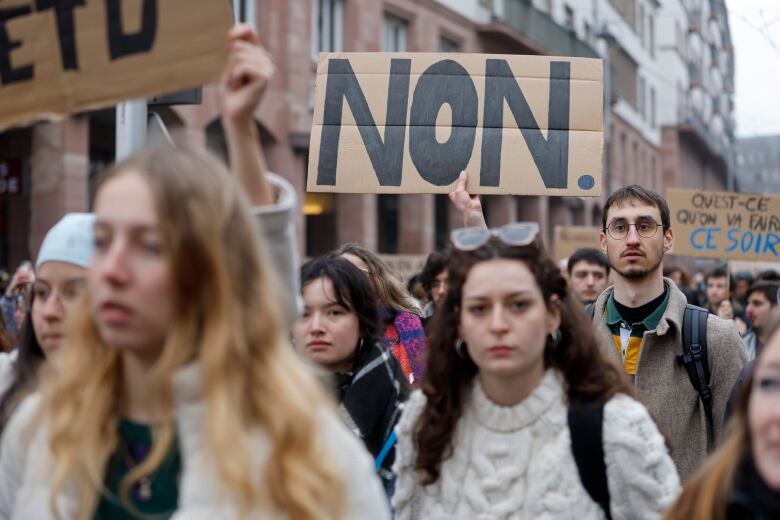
point(640, 321)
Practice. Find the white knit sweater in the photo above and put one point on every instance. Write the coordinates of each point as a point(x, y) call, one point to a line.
point(516, 462)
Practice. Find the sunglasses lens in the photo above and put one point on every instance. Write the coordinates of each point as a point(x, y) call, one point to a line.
point(519, 234)
point(469, 238)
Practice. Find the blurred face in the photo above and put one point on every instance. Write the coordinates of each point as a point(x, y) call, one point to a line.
point(56, 287)
point(130, 283)
point(327, 333)
point(635, 257)
point(764, 414)
point(741, 288)
point(439, 286)
point(758, 309)
point(587, 281)
point(504, 320)
point(717, 290)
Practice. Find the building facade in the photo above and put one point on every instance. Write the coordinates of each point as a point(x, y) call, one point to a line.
point(649, 69)
point(758, 164)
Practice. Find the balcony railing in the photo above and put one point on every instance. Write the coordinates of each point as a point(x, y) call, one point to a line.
point(694, 21)
point(542, 30)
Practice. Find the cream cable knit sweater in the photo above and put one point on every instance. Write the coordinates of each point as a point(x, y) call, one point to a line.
point(516, 462)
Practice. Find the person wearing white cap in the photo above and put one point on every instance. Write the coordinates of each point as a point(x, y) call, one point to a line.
point(61, 271)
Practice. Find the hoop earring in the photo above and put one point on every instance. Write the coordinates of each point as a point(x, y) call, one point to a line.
point(555, 338)
point(459, 348)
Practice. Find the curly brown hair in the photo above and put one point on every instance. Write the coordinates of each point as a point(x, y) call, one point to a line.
point(587, 374)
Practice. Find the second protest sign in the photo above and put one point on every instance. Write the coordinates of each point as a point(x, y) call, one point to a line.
point(410, 123)
point(725, 225)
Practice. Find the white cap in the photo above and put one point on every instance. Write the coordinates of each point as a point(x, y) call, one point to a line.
point(69, 241)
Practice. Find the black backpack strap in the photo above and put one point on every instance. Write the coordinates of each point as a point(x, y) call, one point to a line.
point(695, 360)
point(586, 423)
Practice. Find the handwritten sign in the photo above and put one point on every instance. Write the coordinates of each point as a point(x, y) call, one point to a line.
point(410, 123)
point(59, 57)
point(724, 225)
point(568, 239)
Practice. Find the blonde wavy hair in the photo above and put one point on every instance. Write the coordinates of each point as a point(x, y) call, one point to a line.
point(250, 375)
point(706, 494)
point(386, 282)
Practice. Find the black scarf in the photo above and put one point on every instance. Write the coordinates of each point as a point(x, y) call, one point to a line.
point(372, 396)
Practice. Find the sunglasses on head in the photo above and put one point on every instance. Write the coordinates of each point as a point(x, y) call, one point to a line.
point(516, 234)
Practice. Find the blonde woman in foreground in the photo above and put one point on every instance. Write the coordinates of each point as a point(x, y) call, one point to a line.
point(178, 393)
point(742, 479)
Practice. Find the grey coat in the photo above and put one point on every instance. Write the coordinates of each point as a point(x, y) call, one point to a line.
point(663, 384)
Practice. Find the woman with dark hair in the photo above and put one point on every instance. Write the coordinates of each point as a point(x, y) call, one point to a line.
point(511, 357)
point(339, 330)
point(742, 479)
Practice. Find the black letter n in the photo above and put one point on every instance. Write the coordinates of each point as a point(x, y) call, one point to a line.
point(121, 44)
point(551, 155)
point(386, 157)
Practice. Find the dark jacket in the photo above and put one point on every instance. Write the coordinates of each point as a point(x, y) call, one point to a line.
point(371, 399)
point(752, 498)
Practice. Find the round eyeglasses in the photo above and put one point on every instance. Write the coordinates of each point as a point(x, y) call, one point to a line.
point(645, 227)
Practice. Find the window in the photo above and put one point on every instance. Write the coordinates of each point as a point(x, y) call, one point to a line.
point(641, 25)
point(387, 223)
point(327, 24)
point(569, 14)
point(394, 34)
point(441, 220)
point(651, 34)
point(448, 45)
point(640, 106)
point(588, 32)
point(652, 107)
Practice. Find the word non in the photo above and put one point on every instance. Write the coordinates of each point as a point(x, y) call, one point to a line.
point(447, 82)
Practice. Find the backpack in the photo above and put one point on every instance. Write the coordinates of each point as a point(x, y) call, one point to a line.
point(586, 419)
point(694, 357)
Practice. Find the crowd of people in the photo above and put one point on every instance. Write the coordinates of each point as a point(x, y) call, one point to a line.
point(166, 356)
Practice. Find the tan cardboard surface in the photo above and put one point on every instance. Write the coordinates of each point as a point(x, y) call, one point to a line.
point(188, 50)
point(519, 173)
point(724, 225)
point(570, 238)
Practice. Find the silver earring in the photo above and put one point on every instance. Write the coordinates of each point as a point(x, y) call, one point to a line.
point(555, 338)
point(459, 348)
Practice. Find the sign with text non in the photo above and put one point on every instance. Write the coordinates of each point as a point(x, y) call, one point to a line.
point(410, 123)
point(60, 57)
point(725, 225)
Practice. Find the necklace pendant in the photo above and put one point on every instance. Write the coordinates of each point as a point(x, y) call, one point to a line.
point(144, 489)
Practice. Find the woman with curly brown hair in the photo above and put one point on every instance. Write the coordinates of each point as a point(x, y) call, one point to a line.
point(512, 359)
point(742, 479)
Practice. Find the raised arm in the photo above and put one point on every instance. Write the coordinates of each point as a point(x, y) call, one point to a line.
point(248, 71)
point(244, 81)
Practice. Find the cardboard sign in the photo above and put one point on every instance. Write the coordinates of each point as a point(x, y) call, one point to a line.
point(62, 57)
point(410, 123)
point(570, 238)
point(725, 225)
